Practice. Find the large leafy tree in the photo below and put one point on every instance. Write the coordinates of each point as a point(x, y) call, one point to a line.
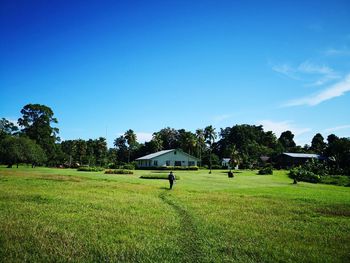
point(210, 136)
point(317, 144)
point(287, 140)
point(121, 147)
point(37, 121)
point(7, 128)
point(15, 150)
point(187, 141)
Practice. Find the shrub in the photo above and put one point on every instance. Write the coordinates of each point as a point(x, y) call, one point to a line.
point(118, 171)
point(266, 170)
point(127, 166)
point(90, 169)
point(340, 180)
point(302, 174)
point(158, 176)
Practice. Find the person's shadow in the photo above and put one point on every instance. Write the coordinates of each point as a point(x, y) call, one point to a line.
point(164, 188)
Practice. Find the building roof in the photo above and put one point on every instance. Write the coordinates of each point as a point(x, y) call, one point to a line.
point(153, 155)
point(156, 154)
point(226, 159)
point(303, 155)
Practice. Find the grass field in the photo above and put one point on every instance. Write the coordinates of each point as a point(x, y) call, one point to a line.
point(61, 215)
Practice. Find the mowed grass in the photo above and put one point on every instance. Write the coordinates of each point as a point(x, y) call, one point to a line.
point(64, 215)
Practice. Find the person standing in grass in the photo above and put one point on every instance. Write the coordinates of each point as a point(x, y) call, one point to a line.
point(171, 178)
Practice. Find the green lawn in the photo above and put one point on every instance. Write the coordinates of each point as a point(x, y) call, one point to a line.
point(51, 215)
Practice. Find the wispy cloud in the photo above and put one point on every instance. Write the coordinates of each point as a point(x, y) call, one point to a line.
point(311, 73)
point(337, 52)
point(335, 90)
point(337, 128)
point(287, 70)
point(277, 127)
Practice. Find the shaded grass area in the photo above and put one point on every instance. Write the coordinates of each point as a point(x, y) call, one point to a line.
point(158, 176)
point(66, 215)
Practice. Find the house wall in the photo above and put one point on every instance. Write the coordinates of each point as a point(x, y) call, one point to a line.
point(171, 157)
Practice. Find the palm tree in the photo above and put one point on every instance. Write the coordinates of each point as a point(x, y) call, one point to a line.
point(157, 139)
point(130, 137)
point(200, 143)
point(235, 157)
point(210, 136)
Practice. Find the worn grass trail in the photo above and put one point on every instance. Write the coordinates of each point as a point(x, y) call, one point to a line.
point(190, 240)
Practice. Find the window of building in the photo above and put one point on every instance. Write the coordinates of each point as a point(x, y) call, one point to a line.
point(155, 163)
point(167, 163)
point(191, 163)
point(175, 152)
point(177, 163)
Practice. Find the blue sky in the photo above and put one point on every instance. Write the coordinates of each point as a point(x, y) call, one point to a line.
point(108, 66)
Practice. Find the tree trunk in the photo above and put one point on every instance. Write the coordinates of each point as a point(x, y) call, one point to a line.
point(210, 162)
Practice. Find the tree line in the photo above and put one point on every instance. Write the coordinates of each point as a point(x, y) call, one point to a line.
point(34, 140)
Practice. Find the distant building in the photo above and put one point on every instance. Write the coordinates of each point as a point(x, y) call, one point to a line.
point(286, 160)
point(225, 162)
point(173, 157)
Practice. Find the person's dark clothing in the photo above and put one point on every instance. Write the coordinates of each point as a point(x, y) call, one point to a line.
point(171, 178)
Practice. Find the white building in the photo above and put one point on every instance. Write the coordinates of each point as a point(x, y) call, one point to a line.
point(173, 157)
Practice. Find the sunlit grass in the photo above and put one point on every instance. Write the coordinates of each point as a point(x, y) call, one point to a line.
point(65, 215)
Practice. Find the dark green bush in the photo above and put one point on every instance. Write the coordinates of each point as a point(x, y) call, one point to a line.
point(340, 180)
point(127, 166)
point(266, 170)
point(302, 174)
point(90, 169)
point(118, 171)
point(158, 176)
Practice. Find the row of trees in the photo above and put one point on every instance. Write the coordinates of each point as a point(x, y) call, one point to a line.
point(35, 140)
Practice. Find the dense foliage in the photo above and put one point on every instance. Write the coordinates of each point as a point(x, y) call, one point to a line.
point(247, 146)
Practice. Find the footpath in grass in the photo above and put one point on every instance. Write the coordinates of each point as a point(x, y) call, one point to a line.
point(66, 215)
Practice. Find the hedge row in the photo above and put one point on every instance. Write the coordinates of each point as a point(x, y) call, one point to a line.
point(90, 169)
point(170, 168)
point(158, 176)
point(118, 171)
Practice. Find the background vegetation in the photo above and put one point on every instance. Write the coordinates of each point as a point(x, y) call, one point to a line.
point(35, 141)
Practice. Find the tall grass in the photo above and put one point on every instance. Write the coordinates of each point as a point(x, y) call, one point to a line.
point(67, 215)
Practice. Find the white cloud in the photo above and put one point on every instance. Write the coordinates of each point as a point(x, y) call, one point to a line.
point(335, 90)
point(337, 128)
point(286, 70)
point(278, 127)
point(308, 67)
point(144, 136)
point(313, 74)
point(141, 136)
